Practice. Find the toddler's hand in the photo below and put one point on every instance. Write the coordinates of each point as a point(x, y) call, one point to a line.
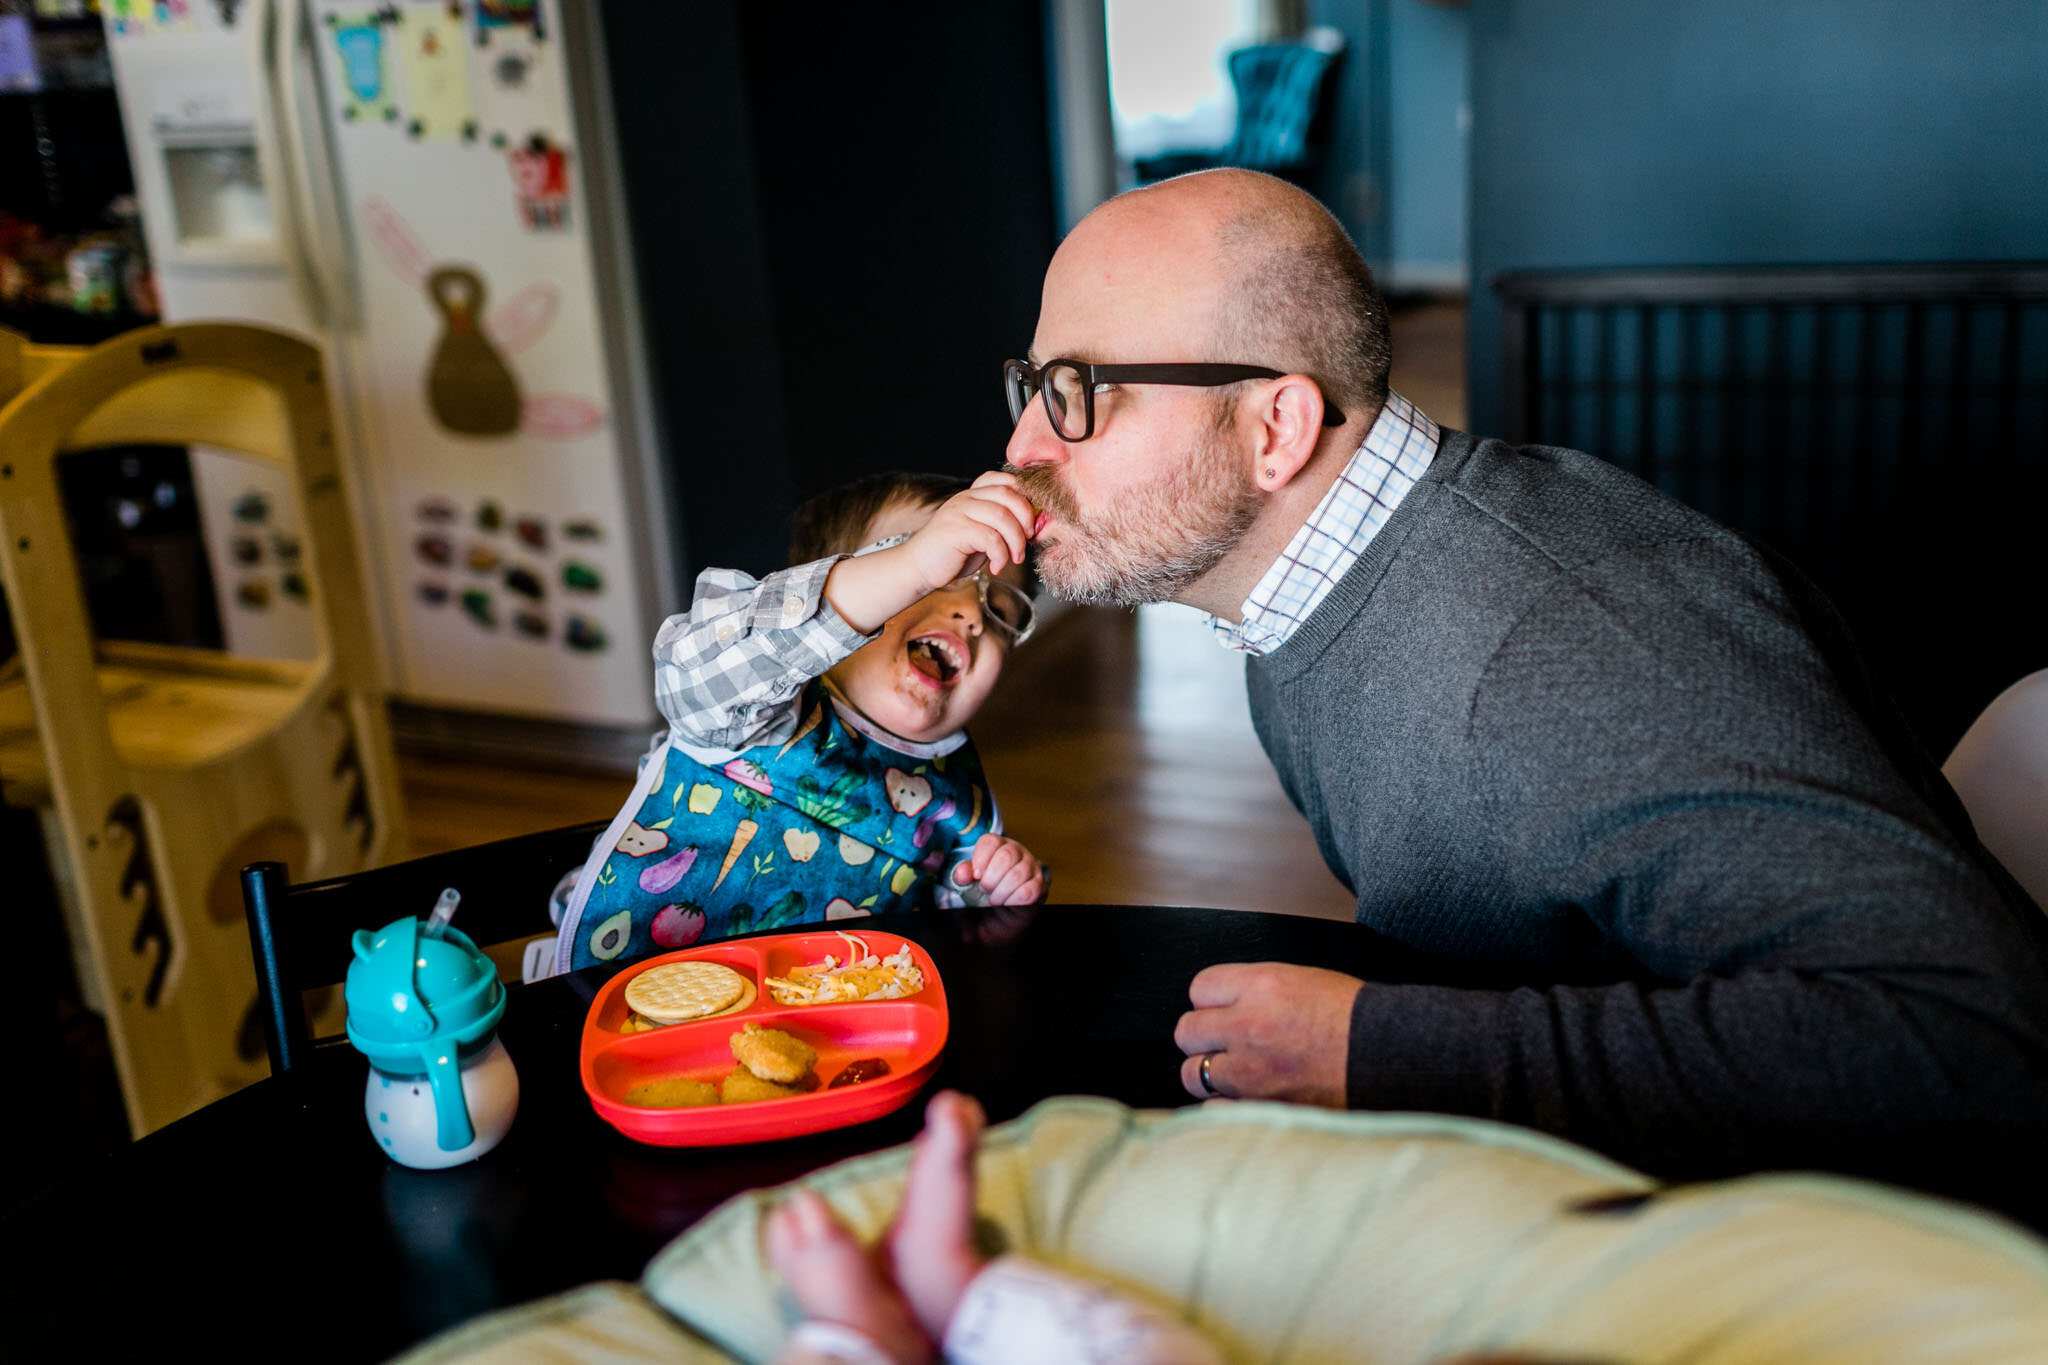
point(1007, 873)
point(990, 524)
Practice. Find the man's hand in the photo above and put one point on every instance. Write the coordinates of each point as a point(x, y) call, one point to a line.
point(1271, 1032)
point(1006, 872)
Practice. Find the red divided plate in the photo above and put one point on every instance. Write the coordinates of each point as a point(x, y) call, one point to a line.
point(907, 1033)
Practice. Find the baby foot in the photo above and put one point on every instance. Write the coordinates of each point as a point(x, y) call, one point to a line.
point(834, 1280)
point(930, 1246)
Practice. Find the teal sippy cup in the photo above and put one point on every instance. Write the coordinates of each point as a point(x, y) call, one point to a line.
point(423, 1005)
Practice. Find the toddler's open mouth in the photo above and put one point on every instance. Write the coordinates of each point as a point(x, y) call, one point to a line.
point(938, 657)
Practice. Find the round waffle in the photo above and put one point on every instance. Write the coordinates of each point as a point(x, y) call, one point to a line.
point(676, 991)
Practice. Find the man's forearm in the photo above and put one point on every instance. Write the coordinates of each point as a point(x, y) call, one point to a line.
point(1880, 1075)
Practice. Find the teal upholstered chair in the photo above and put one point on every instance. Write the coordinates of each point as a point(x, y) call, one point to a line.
point(1284, 92)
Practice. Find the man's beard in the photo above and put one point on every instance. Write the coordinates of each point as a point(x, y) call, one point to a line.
point(1153, 541)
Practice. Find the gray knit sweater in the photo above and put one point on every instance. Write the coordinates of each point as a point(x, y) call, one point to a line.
point(1556, 728)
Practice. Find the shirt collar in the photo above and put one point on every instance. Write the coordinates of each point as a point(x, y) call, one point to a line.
point(1395, 453)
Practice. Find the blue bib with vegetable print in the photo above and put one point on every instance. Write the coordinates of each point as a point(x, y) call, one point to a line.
point(830, 825)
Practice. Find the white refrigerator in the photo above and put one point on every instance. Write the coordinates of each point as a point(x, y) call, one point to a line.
point(425, 188)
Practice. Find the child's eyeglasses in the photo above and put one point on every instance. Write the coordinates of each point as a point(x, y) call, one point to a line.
point(1007, 608)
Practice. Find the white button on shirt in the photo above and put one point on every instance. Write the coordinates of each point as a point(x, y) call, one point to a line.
point(1396, 453)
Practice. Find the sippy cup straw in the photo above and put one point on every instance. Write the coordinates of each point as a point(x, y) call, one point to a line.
point(444, 910)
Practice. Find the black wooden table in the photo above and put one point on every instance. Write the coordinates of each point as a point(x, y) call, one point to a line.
point(269, 1223)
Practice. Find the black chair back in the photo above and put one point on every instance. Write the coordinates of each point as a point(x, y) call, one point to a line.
point(300, 935)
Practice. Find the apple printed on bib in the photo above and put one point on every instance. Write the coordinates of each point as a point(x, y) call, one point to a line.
point(830, 825)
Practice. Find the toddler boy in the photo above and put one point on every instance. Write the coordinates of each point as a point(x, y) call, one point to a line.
point(817, 765)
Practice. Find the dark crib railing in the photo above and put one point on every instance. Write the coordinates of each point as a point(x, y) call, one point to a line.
point(1884, 427)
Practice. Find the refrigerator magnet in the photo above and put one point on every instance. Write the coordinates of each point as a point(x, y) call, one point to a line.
point(360, 57)
point(131, 16)
point(540, 183)
point(525, 582)
point(435, 64)
point(519, 88)
point(477, 606)
point(494, 15)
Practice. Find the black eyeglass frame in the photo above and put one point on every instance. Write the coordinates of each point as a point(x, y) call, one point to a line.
point(1198, 375)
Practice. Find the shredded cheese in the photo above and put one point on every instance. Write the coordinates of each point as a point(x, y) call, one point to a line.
point(863, 976)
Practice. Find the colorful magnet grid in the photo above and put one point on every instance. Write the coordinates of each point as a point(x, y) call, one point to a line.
point(504, 560)
point(256, 549)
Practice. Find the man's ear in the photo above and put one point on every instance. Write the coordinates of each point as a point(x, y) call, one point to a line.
point(1290, 424)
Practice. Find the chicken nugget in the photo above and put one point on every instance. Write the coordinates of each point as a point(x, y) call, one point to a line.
point(772, 1054)
point(674, 1092)
point(741, 1085)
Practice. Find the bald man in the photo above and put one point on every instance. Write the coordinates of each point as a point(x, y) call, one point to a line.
point(1548, 725)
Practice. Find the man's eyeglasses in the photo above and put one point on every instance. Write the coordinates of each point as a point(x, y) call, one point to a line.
point(1007, 608)
point(1068, 387)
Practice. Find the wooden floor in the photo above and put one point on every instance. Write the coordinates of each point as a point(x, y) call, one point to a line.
point(1118, 744)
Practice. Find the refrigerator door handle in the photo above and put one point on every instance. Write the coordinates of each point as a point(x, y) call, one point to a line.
point(280, 159)
point(318, 220)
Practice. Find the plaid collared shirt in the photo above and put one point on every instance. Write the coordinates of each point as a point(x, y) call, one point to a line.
point(1397, 450)
point(727, 672)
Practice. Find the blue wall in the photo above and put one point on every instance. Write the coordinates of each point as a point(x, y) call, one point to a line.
point(1398, 143)
point(1428, 56)
point(1697, 132)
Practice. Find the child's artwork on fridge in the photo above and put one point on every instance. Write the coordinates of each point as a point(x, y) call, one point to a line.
point(470, 388)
